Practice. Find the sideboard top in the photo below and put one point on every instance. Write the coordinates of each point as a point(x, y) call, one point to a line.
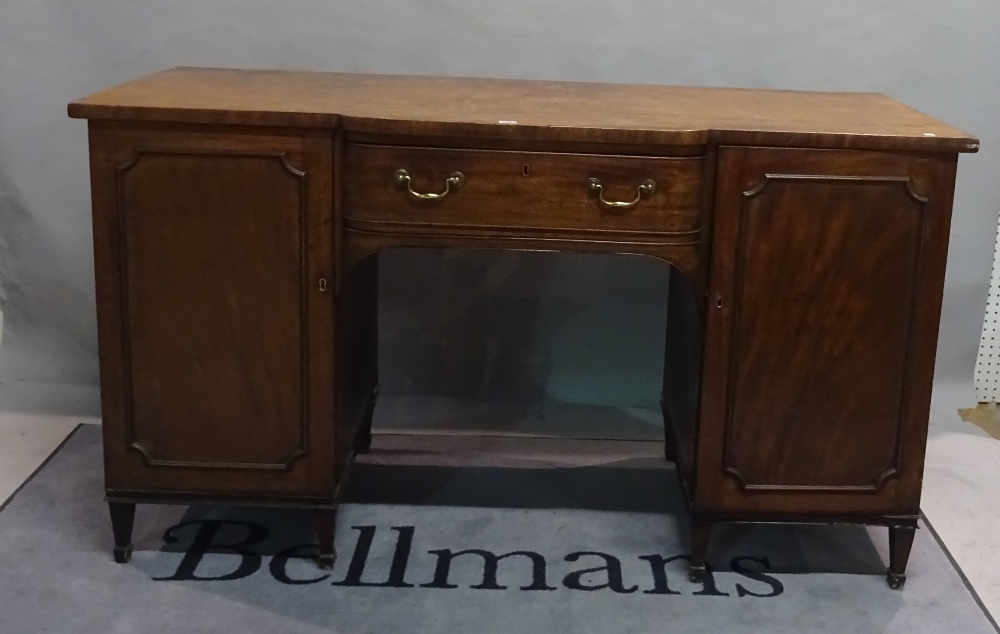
point(525, 110)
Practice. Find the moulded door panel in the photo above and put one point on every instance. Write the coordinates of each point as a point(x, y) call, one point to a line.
point(827, 270)
point(216, 341)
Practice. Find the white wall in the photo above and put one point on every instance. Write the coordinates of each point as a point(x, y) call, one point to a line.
point(940, 57)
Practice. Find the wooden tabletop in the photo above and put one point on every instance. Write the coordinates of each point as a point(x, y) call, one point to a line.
point(525, 110)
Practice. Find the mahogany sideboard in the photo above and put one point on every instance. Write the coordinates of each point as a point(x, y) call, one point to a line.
point(237, 214)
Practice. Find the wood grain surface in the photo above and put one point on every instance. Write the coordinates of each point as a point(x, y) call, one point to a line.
point(216, 348)
point(525, 110)
point(522, 190)
point(827, 270)
point(237, 213)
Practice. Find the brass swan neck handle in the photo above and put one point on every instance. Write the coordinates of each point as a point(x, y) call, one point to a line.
point(645, 188)
point(455, 180)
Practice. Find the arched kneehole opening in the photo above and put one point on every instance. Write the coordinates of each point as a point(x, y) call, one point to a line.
point(527, 349)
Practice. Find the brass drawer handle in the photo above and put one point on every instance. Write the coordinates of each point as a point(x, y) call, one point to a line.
point(455, 179)
point(645, 188)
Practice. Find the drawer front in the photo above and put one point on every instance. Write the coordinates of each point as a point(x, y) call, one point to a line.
point(506, 190)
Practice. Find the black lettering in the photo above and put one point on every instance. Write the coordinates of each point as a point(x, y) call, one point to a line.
point(204, 542)
point(279, 566)
point(737, 566)
point(612, 568)
point(490, 565)
point(359, 558)
point(400, 558)
point(659, 567)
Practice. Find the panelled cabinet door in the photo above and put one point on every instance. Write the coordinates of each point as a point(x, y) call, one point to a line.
point(215, 328)
point(824, 298)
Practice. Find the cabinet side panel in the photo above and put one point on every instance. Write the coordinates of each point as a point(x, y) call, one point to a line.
point(108, 295)
point(357, 353)
point(682, 372)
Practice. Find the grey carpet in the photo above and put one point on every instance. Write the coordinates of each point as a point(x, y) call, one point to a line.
point(56, 573)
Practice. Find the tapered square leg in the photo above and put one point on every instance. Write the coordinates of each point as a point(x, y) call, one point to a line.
point(900, 543)
point(701, 534)
point(122, 520)
point(326, 527)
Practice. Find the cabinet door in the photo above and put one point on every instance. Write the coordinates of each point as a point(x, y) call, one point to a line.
point(825, 292)
point(215, 336)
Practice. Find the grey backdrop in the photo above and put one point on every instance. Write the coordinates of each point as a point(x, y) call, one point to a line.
point(579, 329)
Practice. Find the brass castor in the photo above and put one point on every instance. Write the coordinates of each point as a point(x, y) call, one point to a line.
point(325, 561)
point(895, 580)
point(123, 554)
point(696, 573)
